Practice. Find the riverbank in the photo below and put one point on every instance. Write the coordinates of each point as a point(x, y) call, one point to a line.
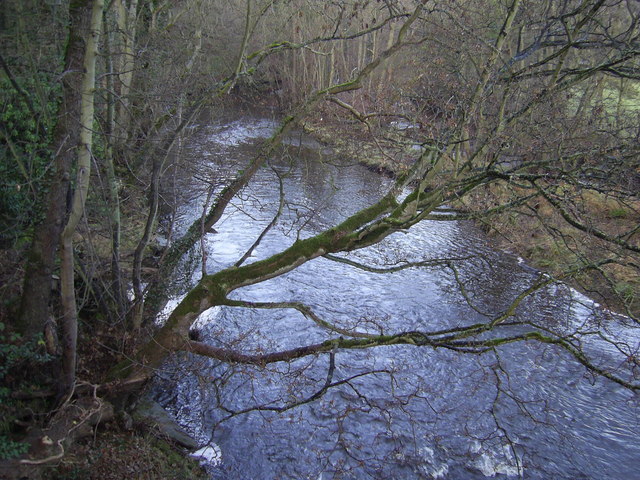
point(96, 440)
point(117, 454)
point(134, 451)
point(534, 231)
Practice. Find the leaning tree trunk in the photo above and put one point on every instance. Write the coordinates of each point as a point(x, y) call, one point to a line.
point(154, 190)
point(157, 295)
point(70, 314)
point(212, 290)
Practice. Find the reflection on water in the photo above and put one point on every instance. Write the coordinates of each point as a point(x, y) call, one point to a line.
point(397, 412)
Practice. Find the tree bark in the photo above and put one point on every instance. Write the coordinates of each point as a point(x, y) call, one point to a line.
point(70, 314)
point(117, 287)
point(41, 261)
point(127, 29)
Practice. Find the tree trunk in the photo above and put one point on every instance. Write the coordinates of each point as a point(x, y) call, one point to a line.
point(70, 314)
point(117, 288)
point(213, 289)
point(127, 28)
point(386, 77)
point(351, 234)
point(36, 293)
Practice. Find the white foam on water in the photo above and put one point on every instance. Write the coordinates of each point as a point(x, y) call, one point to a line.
point(491, 463)
point(242, 131)
point(431, 467)
point(206, 317)
point(210, 455)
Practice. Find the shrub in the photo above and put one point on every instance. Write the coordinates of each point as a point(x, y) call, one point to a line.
point(24, 152)
point(14, 356)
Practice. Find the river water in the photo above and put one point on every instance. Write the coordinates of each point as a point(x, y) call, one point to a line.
point(525, 411)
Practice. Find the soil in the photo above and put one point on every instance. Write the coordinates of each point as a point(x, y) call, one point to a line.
point(118, 454)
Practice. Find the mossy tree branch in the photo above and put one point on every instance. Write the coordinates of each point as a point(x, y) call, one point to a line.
point(157, 290)
point(418, 339)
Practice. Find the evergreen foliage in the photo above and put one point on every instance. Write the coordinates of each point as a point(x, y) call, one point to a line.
point(24, 152)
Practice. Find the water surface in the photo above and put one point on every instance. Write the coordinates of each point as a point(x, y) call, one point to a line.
point(528, 410)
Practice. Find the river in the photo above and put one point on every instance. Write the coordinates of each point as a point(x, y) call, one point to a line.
point(526, 411)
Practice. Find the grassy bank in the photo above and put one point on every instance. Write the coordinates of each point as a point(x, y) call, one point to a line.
point(537, 232)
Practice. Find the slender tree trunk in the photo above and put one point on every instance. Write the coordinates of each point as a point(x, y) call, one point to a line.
point(591, 93)
point(386, 76)
point(619, 119)
point(475, 108)
point(113, 196)
point(332, 73)
point(373, 51)
point(138, 306)
point(41, 262)
point(127, 28)
point(70, 314)
point(243, 47)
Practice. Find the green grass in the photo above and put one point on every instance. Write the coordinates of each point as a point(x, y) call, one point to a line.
point(618, 213)
point(613, 101)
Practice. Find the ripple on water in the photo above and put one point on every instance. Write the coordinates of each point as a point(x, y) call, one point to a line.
point(426, 413)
